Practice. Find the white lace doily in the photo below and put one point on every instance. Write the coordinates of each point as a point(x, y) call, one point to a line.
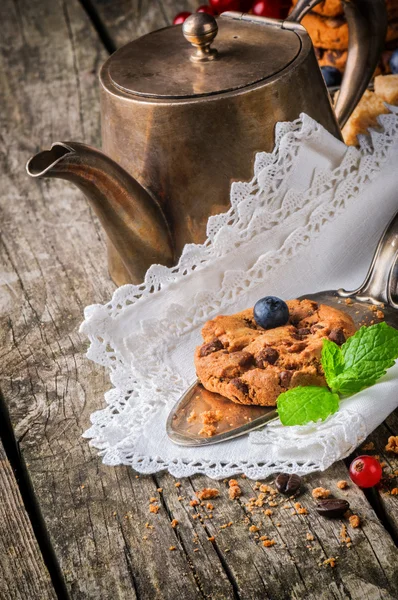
point(308, 220)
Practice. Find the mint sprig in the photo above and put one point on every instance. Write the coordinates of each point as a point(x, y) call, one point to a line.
point(357, 364)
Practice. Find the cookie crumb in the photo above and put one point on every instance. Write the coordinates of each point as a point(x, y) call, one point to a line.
point(151, 500)
point(320, 492)
point(392, 445)
point(160, 490)
point(192, 417)
point(330, 561)
point(172, 548)
point(154, 508)
point(379, 314)
point(253, 529)
point(177, 484)
point(394, 492)
point(268, 512)
point(194, 502)
point(355, 521)
point(348, 301)
point(209, 506)
point(174, 523)
point(345, 539)
point(211, 539)
point(342, 484)
point(208, 430)
point(310, 537)
point(234, 492)
point(268, 543)
point(210, 417)
point(368, 446)
point(207, 493)
point(300, 509)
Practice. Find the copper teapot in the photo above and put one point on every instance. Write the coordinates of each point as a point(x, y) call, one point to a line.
point(183, 114)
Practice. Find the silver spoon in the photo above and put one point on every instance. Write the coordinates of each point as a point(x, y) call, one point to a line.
point(380, 288)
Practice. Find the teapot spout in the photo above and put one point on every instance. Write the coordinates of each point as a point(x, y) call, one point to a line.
point(132, 219)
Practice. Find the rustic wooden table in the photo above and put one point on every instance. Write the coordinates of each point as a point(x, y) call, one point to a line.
point(69, 526)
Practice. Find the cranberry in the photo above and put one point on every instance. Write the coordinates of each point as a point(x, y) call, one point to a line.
point(267, 8)
point(220, 6)
point(181, 17)
point(365, 471)
point(206, 9)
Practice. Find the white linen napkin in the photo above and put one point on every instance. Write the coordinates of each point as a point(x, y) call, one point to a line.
point(309, 220)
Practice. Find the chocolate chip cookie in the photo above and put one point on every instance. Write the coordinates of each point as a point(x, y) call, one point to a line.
point(251, 365)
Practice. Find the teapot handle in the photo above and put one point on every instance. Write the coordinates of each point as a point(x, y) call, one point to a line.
point(367, 23)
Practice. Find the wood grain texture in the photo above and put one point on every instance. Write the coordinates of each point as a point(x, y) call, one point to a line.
point(126, 20)
point(22, 571)
point(53, 263)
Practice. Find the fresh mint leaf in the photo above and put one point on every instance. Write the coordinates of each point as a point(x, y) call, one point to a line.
point(332, 362)
point(301, 405)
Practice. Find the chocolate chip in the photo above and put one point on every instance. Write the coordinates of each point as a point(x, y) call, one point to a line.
point(246, 359)
point(288, 484)
point(210, 347)
point(250, 323)
point(337, 336)
point(268, 355)
point(240, 385)
point(332, 507)
point(303, 331)
point(284, 378)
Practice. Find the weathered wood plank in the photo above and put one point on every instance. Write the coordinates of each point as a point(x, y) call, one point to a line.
point(53, 263)
point(22, 571)
point(126, 20)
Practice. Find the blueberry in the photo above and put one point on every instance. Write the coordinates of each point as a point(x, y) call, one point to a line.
point(270, 312)
point(394, 62)
point(331, 75)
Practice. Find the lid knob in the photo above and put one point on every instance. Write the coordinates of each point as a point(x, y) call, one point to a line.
point(200, 29)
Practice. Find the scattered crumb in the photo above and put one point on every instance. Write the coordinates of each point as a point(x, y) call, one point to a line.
point(330, 561)
point(148, 526)
point(226, 525)
point(394, 492)
point(345, 539)
point(192, 417)
point(348, 301)
point(177, 484)
point(268, 512)
point(342, 484)
point(320, 492)
point(268, 543)
point(211, 539)
point(144, 537)
point(392, 445)
point(172, 548)
point(234, 491)
point(286, 506)
point(196, 549)
point(154, 508)
point(379, 314)
point(208, 430)
point(272, 503)
point(265, 488)
point(383, 465)
point(243, 476)
point(209, 506)
point(152, 500)
point(210, 417)
point(180, 498)
point(174, 523)
point(194, 502)
point(368, 446)
point(253, 528)
point(207, 493)
point(232, 483)
point(309, 537)
point(355, 521)
point(300, 509)
point(160, 490)
point(278, 524)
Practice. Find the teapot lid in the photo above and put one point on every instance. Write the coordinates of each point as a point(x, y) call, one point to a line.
point(163, 64)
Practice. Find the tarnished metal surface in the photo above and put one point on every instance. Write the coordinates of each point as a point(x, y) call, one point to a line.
point(185, 131)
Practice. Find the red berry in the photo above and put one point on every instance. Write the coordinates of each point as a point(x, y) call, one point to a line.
point(181, 17)
point(205, 8)
point(365, 471)
point(267, 8)
point(220, 6)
